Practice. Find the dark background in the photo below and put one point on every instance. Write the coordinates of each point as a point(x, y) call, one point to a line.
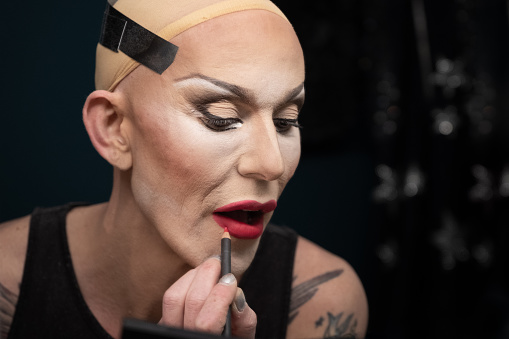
point(405, 167)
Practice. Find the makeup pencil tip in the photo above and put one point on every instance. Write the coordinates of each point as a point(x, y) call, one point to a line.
point(226, 234)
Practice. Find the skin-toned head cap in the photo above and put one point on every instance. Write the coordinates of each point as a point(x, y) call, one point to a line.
point(167, 19)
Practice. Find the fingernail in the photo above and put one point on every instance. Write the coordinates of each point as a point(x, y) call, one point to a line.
point(214, 257)
point(240, 300)
point(227, 279)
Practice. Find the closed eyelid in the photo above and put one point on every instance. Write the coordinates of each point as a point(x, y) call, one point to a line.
point(205, 109)
point(212, 116)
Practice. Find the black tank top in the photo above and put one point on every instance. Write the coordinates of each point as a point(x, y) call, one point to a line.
point(51, 305)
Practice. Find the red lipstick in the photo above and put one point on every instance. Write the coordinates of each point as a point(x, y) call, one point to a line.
point(244, 219)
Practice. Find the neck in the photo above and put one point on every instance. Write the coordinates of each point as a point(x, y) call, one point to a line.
point(108, 244)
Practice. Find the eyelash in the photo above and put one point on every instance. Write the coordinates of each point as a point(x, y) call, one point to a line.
point(286, 124)
point(219, 124)
point(222, 125)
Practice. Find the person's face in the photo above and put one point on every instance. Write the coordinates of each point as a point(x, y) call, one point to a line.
point(217, 127)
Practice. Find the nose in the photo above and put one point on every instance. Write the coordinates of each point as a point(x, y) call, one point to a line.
point(262, 159)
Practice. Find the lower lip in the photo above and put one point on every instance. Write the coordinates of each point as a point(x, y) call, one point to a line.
point(239, 229)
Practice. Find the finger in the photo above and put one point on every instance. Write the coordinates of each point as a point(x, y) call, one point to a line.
point(174, 300)
point(206, 278)
point(243, 317)
point(212, 316)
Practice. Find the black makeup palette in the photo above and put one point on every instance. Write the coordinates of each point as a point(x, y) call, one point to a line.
point(138, 329)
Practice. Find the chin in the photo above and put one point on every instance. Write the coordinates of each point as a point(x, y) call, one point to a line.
point(243, 253)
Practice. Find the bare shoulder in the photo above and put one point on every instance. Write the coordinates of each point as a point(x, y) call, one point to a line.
point(13, 245)
point(328, 299)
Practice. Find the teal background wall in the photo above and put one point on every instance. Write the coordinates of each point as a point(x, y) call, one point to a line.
point(46, 158)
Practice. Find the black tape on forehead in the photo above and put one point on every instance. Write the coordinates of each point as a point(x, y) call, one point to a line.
point(119, 33)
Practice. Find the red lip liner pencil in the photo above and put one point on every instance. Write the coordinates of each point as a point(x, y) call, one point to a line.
point(226, 267)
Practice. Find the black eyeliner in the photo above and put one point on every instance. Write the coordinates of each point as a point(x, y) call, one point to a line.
point(291, 122)
point(211, 116)
point(214, 122)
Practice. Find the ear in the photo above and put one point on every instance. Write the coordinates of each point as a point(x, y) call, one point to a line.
point(106, 127)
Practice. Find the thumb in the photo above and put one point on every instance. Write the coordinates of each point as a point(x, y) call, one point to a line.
point(243, 317)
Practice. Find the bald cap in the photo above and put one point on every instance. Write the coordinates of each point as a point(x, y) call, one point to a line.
point(167, 19)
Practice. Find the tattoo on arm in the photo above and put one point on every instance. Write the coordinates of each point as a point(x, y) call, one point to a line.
point(303, 292)
point(8, 302)
point(338, 329)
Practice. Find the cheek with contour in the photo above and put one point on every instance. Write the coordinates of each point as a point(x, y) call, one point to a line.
point(180, 164)
point(181, 174)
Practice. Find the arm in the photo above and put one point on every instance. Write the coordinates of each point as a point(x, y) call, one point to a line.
point(8, 301)
point(13, 242)
point(328, 299)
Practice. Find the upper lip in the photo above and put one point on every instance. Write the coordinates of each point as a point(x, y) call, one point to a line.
point(249, 205)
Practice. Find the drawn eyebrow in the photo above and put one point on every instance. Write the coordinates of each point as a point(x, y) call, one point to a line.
point(238, 91)
point(295, 96)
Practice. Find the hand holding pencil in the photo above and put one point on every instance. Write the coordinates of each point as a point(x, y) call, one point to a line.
point(200, 301)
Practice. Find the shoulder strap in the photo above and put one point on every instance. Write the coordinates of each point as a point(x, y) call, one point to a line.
point(267, 283)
